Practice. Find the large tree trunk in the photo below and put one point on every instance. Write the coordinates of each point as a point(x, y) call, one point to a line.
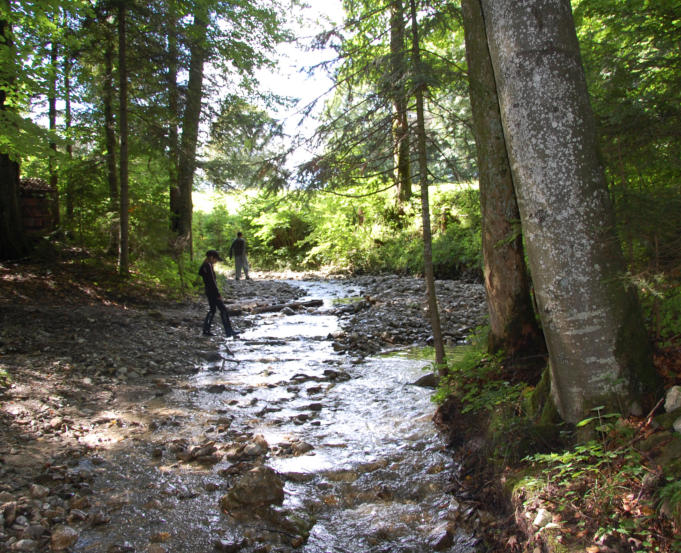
point(190, 125)
point(13, 242)
point(123, 247)
point(425, 203)
point(598, 348)
point(400, 127)
point(513, 325)
point(12, 239)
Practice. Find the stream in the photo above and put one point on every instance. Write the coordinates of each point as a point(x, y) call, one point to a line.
point(352, 442)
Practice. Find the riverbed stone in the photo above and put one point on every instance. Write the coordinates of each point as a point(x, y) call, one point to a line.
point(39, 492)
point(441, 538)
point(429, 380)
point(542, 518)
point(259, 487)
point(25, 546)
point(672, 400)
point(210, 356)
point(226, 546)
point(677, 425)
point(63, 537)
point(258, 446)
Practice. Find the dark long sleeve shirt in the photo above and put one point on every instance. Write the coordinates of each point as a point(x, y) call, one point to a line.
point(238, 247)
point(208, 274)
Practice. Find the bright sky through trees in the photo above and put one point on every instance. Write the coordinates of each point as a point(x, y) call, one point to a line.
point(292, 76)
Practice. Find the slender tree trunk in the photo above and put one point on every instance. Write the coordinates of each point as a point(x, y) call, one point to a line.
point(13, 243)
point(69, 192)
point(425, 204)
point(68, 120)
point(52, 113)
point(513, 326)
point(598, 348)
point(110, 131)
point(400, 128)
point(174, 112)
point(123, 250)
point(190, 126)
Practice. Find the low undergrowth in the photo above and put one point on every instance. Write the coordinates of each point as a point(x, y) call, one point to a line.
point(604, 495)
point(5, 378)
point(608, 484)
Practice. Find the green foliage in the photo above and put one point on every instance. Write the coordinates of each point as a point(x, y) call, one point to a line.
point(603, 421)
point(215, 229)
point(241, 148)
point(457, 242)
point(476, 378)
point(601, 488)
point(661, 302)
point(176, 275)
point(283, 232)
point(351, 232)
point(5, 378)
point(375, 73)
point(631, 57)
point(649, 227)
point(670, 493)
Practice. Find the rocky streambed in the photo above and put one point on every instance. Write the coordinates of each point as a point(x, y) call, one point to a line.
point(124, 430)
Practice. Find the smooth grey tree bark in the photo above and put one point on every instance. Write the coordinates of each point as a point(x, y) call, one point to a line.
point(513, 325)
point(598, 348)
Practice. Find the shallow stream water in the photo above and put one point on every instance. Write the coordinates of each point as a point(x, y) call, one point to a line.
point(353, 440)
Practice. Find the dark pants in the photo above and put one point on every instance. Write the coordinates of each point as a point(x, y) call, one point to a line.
point(216, 303)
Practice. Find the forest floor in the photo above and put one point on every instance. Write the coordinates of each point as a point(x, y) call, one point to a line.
point(62, 320)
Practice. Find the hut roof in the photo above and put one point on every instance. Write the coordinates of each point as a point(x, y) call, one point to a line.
point(35, 183)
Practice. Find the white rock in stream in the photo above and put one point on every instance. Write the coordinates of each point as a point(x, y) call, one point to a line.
point(259, 446)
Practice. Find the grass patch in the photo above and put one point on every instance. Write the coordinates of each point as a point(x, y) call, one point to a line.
point(5, 378)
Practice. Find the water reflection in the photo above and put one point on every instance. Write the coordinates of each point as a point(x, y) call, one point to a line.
point(363, 465)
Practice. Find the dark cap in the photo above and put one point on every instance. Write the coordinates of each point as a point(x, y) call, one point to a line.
point(213, 253)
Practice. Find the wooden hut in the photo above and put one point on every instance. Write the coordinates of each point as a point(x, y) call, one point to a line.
point(39, 203)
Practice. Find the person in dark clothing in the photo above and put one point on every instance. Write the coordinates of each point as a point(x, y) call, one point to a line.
point(213, 294)
point(238, 250)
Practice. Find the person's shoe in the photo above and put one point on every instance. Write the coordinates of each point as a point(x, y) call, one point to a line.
point(207, 333)
point(232, 334)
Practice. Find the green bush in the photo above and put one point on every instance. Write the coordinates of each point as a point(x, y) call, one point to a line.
point(661, 302)
point(352, 232)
